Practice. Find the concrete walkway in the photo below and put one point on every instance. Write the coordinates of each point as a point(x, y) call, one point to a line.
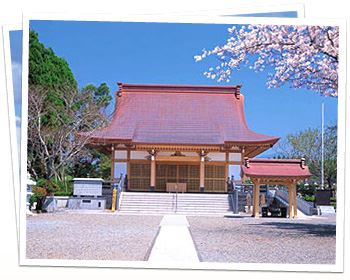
point(174, 242)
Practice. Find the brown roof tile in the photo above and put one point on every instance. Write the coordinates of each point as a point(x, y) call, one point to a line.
point(180, 114)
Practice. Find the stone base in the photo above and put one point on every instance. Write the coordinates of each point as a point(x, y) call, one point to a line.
point(152, 188)
point(201, 189)
point(92, 203)
point(50, 204)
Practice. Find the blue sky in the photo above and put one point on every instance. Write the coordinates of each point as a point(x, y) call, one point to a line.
point(163, 53)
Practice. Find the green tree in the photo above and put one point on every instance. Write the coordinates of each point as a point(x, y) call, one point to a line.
point(45, 67)
point(307, 144)
point(94, 164)
point(51, 72)
point(57, 113)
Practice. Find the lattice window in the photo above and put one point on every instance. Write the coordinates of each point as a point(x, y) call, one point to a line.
point(193, 185)
point(140, 176)
point(172, 171)
point(183, 171)
point(193, 171)
point(160, 184)
point(215, 180)
point(179, 173)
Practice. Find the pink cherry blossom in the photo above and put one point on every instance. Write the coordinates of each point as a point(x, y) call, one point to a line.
point(303, 56)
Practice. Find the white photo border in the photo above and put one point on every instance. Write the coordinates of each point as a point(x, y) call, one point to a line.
point(299, 8)
point(12, 118)
point(337, 267)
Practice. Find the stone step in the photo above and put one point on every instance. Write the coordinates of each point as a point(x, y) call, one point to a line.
point(179, 199)
point(173, 211)
point(225, 207)
point(179, 208)
point(177, 213)
point(172, 193)
point(163, 203)
point(178, 202)
point(178, 205)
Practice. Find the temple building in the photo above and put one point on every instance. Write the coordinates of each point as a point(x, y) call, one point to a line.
point(195, 136)
point(187, 138)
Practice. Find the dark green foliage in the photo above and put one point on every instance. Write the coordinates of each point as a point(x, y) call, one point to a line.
point(99, 94)
point(50, 185)
point(45, 68)
point(310, 198)
point(93, 165)
point(307, 144)
point(58, 111)
point(51, 72)
point(306, 189)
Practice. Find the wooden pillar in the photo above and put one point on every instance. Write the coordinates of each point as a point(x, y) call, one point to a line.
point(227, 171)
point(256, 198)
point(153, 171)
point(113, 165)
point(201, 173)
point(128, 167)
point(295, 208)
point(290, 201)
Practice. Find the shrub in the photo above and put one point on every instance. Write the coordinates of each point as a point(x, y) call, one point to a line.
point(63, 193)
point(56, 187)
point(310, 198)
point(334, 202)
point(38, 196)
point(49, 185)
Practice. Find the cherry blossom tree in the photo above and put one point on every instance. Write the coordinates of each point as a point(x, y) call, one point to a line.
point(303, 56)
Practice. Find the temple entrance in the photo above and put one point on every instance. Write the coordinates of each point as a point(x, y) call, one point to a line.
point(177, 173)
point(188, 174)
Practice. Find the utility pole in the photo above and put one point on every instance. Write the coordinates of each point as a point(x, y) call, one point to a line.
point(322, 146)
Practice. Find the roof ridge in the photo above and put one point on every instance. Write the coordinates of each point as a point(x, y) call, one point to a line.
point(277, 160)
point(176, 88)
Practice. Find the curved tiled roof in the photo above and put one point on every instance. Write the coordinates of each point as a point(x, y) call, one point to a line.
point(179, 114)
point(276, 168)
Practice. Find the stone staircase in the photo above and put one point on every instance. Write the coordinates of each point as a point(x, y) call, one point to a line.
point(165, 203)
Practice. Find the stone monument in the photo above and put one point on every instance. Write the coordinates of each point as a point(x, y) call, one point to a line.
point(87, 194)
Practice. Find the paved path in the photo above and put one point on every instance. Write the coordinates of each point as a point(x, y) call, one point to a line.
point(174, 242)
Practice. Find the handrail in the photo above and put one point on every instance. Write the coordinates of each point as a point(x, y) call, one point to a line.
point(302, 205)
point(119, 187)
point(176, 201)
point(233, 196)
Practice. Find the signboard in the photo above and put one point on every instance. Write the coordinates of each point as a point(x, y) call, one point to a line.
point(323, 197)
point(87, 187)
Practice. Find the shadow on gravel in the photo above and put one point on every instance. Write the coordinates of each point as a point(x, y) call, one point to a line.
point(321, 230)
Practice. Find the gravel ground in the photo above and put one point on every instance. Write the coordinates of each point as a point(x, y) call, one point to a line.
point(90, 236)
point(265, 240)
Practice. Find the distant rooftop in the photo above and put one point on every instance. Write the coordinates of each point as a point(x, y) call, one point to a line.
point(276, 168)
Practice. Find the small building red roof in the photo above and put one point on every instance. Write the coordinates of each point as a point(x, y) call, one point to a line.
point(275, 168)
point(179, 114)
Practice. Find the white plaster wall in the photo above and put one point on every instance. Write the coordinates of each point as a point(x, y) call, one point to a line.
point(190, 154)
point(187, 154)
point(164, 153)
point(120, 155)
point(235, 171)
point(119, 167)
point(138, 154)
point(235, 157)
point(216, 156)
